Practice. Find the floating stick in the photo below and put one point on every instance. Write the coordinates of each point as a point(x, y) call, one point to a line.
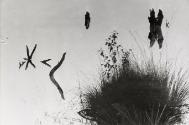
point(51, 75)
point(45, 62)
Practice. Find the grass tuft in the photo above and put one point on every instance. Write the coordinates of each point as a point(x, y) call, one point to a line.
point(136, 94)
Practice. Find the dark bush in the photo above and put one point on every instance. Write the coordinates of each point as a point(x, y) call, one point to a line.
point(134, 94)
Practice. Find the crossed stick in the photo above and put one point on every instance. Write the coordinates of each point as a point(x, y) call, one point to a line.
point(29, 56)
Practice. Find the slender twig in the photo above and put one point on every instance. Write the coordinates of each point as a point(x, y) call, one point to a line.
point(45, 62)
point(51, 75)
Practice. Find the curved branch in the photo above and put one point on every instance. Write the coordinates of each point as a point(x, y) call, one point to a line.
point(51, 75)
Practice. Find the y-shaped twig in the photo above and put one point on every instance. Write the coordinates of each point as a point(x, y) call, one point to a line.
point(51, 74)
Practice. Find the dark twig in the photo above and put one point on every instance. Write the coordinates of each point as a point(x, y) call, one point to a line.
point(21, 64)
point(45, 62)
point(51, 75)
point(29, 57)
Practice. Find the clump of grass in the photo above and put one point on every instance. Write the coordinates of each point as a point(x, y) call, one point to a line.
point(133, 94)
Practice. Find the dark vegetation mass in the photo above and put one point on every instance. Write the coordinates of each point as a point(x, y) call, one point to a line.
point(133, 94)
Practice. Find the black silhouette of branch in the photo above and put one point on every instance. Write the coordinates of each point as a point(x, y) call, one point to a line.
point(45, 62)
point(29, 57)
point(21, 64)
point(51, 75)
